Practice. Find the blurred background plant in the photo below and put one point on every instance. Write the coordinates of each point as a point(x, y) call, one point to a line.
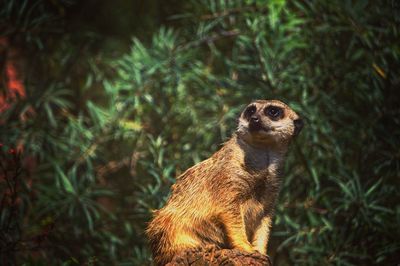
point(104, 103)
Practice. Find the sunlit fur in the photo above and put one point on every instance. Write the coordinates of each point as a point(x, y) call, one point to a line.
point(228, 199)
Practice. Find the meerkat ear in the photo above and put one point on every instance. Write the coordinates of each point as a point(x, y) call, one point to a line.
point(298, 125)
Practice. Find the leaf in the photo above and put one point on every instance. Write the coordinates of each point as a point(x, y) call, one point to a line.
point(65, 182)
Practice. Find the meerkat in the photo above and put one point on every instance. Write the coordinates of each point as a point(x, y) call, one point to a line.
point(228, 199)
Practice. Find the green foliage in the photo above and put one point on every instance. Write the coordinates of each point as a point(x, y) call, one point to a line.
point(109, 144)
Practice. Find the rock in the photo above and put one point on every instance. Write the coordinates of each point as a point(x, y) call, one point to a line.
point(211, 256)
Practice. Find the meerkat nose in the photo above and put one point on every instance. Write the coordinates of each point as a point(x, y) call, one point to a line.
point(255, 123)
point(255, 119)
point(298, 125)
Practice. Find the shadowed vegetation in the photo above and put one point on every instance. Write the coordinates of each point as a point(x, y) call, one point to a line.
point(104, 103)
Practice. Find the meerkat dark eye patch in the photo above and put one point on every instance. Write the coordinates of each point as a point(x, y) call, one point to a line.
point(250, 110)
point(274, 112)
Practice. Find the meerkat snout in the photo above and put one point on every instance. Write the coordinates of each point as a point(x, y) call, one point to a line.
point(255, 123)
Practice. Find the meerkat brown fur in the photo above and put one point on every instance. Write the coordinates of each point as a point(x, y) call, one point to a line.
point(228, 199)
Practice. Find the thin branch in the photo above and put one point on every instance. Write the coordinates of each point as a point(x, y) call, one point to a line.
point(209, 39)
point(233, 11)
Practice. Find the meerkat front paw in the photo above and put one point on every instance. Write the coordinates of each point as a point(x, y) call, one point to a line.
point(247, 247)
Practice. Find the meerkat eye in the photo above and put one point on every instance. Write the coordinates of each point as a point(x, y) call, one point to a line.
point(273, 112)
point(250, 110)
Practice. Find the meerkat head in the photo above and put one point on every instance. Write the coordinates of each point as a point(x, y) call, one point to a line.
point(268, 122)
